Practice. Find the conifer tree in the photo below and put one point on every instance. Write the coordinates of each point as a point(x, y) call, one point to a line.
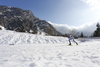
point(82, 35)
point(97, 31)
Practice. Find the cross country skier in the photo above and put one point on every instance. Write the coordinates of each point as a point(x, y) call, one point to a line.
point(70, 37)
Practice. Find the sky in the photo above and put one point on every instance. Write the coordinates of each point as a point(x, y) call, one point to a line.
point(70, 12)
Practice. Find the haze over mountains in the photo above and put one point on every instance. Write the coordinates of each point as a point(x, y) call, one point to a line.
point(87, 29)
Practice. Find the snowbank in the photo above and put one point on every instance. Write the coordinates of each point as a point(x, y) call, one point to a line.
point(11, 37)
point(2, 27)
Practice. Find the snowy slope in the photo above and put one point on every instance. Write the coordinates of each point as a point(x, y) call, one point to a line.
point(30, 51)
point(11, 37)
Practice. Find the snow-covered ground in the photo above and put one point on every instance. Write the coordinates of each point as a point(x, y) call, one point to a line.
point(11, 37)
point(47, 51)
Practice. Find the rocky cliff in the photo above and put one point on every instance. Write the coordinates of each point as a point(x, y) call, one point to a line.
point(12, 18)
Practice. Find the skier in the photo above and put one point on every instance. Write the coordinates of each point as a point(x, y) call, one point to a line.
point(70, 37)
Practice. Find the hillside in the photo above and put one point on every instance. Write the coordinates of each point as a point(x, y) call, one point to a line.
point(11, 37)
point(19, 20)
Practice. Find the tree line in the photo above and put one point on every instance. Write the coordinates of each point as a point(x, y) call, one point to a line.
point(96, 33)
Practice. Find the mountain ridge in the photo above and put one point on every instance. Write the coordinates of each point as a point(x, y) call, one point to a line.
point(17, 19)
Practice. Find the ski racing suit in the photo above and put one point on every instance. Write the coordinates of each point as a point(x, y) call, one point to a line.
point(71, 38)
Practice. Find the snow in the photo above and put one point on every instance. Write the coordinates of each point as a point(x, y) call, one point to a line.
point(47, 51)
point(2, 27)
point(10, 37)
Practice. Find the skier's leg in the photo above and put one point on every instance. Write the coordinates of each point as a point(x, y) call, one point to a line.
point(75, 41)
point(69, 42)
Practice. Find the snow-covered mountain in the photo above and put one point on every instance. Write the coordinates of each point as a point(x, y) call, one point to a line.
point(87, 29)
point(12, 18)
point(16, 19)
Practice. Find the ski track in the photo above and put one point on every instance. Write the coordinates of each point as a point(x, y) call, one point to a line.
point(42, 51)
